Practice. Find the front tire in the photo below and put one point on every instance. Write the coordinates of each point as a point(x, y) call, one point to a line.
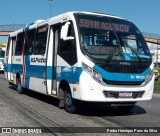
point(19, 86)
point(69, 104)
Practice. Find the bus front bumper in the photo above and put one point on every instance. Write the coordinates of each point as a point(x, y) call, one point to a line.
point(90, 90)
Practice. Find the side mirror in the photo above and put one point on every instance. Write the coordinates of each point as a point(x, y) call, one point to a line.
point(64, 32)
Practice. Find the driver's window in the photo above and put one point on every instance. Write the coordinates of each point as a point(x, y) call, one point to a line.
point(67, 48)
point(68, 45)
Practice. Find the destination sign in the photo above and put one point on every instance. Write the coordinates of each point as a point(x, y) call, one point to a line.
point(102, 50)
point(86, 23)
point(41, 30)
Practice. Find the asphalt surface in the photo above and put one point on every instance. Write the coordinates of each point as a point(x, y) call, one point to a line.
point(36, 110)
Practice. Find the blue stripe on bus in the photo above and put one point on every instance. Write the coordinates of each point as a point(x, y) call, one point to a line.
point(32, 70)
point(13, 68)
point(49, 73)
point(7, 68)
point(28, 71)
point(76, 73)
point(122, 76)
point(17, 68)
point(70, 74)
point(65, 73)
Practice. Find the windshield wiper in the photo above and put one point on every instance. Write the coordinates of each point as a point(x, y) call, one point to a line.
point(118, 43)
point(112, 54)
point(110, 57)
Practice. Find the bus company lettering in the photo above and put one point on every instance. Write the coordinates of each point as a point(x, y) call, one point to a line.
point(38, 60)
point(103, 25)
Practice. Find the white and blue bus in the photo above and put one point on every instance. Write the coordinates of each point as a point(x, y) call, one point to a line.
point(2, 53)
point(81, 56)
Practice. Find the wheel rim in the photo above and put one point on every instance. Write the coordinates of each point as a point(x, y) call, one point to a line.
point(68, 100)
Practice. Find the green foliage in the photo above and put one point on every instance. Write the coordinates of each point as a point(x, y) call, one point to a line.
point(157, 86)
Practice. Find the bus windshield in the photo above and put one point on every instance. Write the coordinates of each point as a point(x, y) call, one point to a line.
point(108, 38)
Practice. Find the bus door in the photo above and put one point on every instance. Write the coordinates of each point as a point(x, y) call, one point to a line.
point(9, 58)
point(52, 60)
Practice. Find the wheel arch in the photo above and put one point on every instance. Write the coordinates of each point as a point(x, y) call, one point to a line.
point(63, 85)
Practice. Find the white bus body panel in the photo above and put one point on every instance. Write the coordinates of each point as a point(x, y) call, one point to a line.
point(91, 90)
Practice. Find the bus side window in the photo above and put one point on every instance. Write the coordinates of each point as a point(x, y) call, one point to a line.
point(67, 49)
point(13, 45)
point(19, 45)
point(41, 38)
point(30, 41)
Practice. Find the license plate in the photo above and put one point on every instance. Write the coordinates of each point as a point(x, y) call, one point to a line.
point(125, 94)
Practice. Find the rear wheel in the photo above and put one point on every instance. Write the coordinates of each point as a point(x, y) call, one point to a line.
point(19, 86)
point(69, 104)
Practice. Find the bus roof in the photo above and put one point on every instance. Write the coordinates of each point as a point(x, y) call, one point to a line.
point(59, 18)
point(95, 13)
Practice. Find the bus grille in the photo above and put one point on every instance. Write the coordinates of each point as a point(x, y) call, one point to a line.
point(125, 69)
point(122, 82)
point(110, 94)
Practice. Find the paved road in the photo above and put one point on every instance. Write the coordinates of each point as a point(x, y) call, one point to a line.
point(35, 110)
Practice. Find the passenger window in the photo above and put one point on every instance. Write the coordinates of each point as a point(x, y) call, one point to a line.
point(19, 45)
point(30, 41)
point(41, 38)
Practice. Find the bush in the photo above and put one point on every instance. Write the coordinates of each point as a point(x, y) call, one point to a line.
point(157, 86)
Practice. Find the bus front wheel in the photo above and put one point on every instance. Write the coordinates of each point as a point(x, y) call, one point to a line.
point(69, 104)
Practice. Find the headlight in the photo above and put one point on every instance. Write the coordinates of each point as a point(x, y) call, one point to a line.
point(149, 76)
point(95, 74)
point(87, 68)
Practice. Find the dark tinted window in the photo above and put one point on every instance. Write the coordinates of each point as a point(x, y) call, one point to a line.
point(30, 42)
point(41, 38)
point(67, 49)
point(19, 45)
